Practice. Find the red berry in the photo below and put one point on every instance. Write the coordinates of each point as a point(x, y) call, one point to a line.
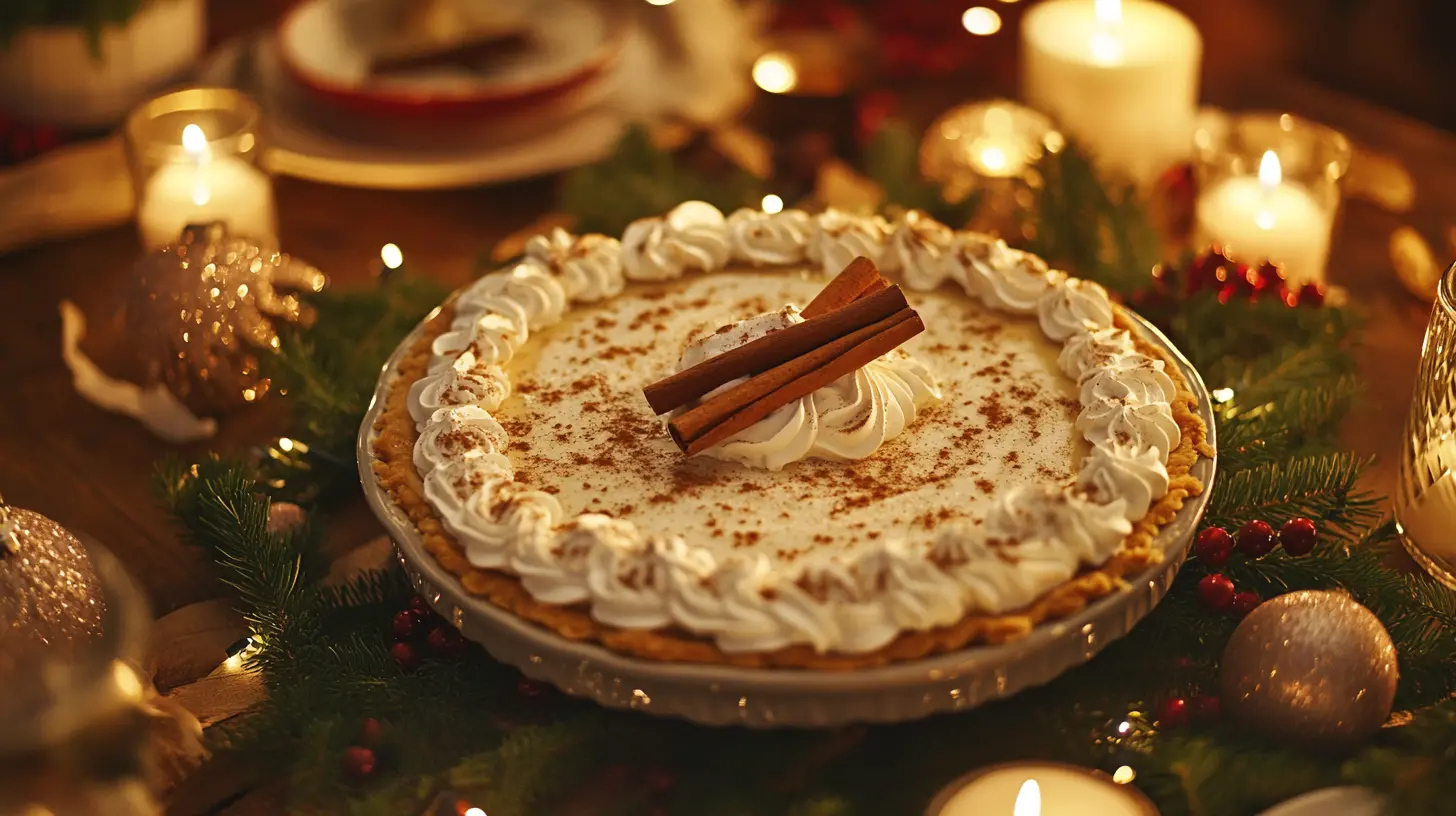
point(406, 625)
point(1173, 713)
point(358, 762)
point(1206, 708)
point(1256, 538)
point(1213, 546)
point(405, 655)
point(370, 731)
point(659, 780)
point(1243, 603)
point(420, 606)
point(1216, 592)
point(445, 641)
point(1298, 536)
point(531, 689)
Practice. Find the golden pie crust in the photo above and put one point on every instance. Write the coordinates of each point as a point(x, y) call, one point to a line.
point(395, 470)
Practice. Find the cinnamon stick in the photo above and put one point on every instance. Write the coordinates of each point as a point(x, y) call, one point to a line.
point(772, 349)
point(745, 404)
point(847, 286)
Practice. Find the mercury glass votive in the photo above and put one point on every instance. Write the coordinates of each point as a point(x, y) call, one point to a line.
point(980, 144)
point(1425, 496)
point(1269, 189)
point(196, 158)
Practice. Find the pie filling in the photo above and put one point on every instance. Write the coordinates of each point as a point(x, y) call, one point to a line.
point(1005, 450)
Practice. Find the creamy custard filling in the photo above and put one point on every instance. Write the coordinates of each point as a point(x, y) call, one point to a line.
point(542, 458)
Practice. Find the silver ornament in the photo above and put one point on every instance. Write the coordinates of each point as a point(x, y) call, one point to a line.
point(205, 308)
point(1310, 668)
point(51, 600)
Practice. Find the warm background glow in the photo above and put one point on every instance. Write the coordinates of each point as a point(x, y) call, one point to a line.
point(774, 72)
point(981, 20)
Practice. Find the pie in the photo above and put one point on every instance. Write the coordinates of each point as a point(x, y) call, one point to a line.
point(1004, 467)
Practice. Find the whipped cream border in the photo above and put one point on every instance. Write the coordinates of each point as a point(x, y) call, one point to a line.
point(1034, 539)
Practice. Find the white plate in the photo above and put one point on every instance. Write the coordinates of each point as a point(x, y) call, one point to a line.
point(646, 84)
point(725, 695)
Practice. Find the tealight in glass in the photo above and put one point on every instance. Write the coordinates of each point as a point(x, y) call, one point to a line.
point(196, 158)
point(1269, 189)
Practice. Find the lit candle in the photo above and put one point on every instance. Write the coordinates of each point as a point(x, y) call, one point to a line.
point(1119, 76)
point(1267, 218)
point(1031, 789)
point(201, 187)
point(1428, 517)
point(998, 152)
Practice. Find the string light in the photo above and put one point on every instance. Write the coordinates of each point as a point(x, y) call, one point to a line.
point(475, 811)
point(391, 255)
point(774, 72)
point(772, 204)
point(650, 3)
point(981, 21)
point(1124, 774)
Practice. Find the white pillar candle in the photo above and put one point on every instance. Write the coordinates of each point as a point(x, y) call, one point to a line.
point(1119, 77)
point(1033, 789)
point(203, 188)
point(1267, 218)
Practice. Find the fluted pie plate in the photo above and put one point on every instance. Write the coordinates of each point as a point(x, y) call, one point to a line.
point(722, 693)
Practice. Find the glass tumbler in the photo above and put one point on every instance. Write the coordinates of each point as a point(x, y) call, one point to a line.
point(1425, 499)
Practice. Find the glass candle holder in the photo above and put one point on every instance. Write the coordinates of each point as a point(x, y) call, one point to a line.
point(1269, 189)
point(1425, 496)
point(970, 146)
point(195, 158)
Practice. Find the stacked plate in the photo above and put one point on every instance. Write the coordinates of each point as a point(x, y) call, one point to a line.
point(553, 86)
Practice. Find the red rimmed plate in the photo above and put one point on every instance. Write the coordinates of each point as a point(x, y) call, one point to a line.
point(328, 46)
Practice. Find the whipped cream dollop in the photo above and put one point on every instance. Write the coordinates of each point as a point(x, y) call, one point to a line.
point(920, 250)
point(839, 237)
point(588, 266)
point(1031, 540)
point(846, 420)
point(769, 239)
point(694, 236)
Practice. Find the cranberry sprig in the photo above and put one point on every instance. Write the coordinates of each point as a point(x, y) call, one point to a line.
point(1256, 539)
point(419, 632)
point(1213, 271)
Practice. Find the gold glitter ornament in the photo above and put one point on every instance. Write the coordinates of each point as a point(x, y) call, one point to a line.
point(51, 600)
point(205, 308)
point(1312, 668)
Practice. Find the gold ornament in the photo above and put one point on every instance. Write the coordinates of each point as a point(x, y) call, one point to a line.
point(1312, 668)
point(204, 309)
point(51, 601)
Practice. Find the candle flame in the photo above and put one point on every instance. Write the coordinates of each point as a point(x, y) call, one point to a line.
point(1109, 11)
point(1269, 173)
point(194, 141)
point(993, 159)
point(1028, 800)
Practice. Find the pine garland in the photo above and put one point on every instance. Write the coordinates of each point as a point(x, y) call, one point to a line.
point(1284, 379)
